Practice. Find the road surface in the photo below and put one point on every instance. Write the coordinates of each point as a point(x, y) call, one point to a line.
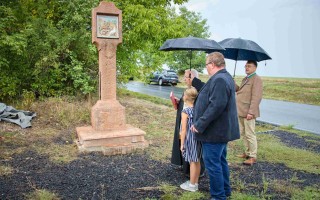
point(300, 116)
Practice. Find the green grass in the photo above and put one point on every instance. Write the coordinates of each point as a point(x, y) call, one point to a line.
point(312, 137)
point(306, 194)
point(287, 127)
point(64, 153)
point(157, 119)
point(272, 150)
point(5, 170)
point(156, 100)
point(262, 127)
point(297, 90)
point(42, 195)
point(55, 118)
point(175, 193)
point(286, 188)
point(242, 196)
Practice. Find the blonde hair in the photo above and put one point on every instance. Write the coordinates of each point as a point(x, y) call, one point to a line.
point(190, 95)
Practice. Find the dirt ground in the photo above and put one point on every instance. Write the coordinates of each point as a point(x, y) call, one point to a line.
point(134, 176)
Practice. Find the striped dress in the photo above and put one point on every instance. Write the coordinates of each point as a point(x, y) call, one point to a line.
point(192, 148)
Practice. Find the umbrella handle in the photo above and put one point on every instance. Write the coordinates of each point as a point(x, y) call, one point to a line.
point(190, 58)
point(234, 71)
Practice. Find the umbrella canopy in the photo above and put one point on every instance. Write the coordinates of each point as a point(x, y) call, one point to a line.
point(241, 49)
point(191, 44)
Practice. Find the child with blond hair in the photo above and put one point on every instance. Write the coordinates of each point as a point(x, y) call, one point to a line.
point(190, 147)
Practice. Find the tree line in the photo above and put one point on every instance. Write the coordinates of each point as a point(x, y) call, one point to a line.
point(46, 49)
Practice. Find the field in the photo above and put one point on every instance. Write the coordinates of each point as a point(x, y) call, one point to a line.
point(43, 162)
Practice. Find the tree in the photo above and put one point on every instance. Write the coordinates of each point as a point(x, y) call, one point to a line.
point(146, 25)
point(54, 41)
point(196, 27)
point(45, 46)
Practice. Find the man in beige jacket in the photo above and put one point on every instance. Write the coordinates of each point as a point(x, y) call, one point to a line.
point(249, 95)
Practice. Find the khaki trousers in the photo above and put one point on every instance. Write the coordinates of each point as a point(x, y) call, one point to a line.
point(248, 136)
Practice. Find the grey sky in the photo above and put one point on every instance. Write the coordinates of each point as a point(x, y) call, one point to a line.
point(289, 30)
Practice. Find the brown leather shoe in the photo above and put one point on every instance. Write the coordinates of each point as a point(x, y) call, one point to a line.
point(250, 161)
point(243, 156)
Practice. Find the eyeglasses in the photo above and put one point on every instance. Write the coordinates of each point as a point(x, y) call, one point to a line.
point(208, 63)
point(247, 66)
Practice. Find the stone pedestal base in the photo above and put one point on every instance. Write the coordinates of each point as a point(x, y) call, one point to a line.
point(108, 115)
point(111, 142)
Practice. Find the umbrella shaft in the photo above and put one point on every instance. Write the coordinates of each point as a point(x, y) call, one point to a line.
point(234, 71)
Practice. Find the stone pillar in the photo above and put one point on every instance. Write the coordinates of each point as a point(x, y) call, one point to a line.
point(107, 114)
point(109, 132)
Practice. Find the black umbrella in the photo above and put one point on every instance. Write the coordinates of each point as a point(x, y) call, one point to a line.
point(241, 49)
point(191, 44)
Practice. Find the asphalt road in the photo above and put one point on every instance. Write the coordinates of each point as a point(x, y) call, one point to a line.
point(300, 116)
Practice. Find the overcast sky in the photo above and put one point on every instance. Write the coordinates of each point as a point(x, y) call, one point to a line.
point(289, 30)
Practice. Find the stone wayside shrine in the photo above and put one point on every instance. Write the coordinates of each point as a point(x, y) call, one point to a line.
point(109, 132)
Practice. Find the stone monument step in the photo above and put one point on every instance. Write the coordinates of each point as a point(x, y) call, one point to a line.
point(129, 136)
point(114, 150)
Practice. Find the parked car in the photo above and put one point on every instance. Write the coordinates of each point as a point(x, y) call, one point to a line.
point(165, 77)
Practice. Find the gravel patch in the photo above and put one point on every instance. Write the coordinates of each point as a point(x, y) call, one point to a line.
point(293, 140)
point(267, 173)
point(92, 176)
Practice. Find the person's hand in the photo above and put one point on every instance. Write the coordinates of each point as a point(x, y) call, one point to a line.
point(193, 129)
point(192, 76)
point(249, 116)
point(182, 148)
point(187, 78)
point(177, 100)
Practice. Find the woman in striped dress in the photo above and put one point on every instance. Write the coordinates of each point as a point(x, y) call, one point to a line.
point(190, 147)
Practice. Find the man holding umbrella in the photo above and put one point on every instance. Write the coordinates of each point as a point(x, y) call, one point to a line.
point(249, 95)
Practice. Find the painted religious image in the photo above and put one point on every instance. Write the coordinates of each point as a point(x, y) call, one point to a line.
point(107, 26)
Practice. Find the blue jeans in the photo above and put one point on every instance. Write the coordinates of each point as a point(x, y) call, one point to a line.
point(214, 156)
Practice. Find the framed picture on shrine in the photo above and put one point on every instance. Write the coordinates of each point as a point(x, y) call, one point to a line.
point(107, 26)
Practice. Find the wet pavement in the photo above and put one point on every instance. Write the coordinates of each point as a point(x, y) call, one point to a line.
point(154, 89)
